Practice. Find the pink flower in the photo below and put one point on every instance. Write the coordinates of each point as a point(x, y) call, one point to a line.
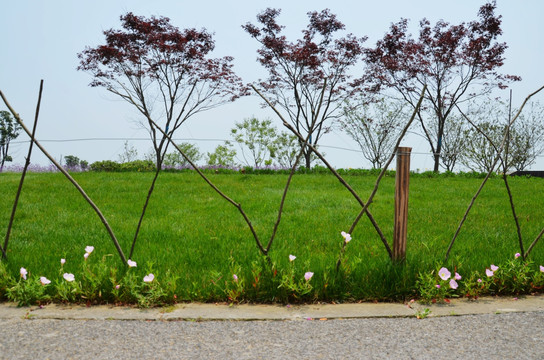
point(453, 284)
point(62, 261)
point(292, 258)
point(89, 249)
point(68, 277)
point(541, 268)
point(23, 273)
point(117, 286)
point(494, 268)
point(44, 280)
point(86, 255)
point(131, 263)
point(235, 277)
point(479, 280)
point(488, 272)
point(308, 275)
point(457, 276)
point(437, 286)
point(517, 255)
point(444, 273)
point(149, 278)
point(346, 236)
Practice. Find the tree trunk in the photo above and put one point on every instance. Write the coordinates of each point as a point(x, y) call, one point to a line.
point(151, 188)
point(438, 148)
point(308, 158)
point(436, 162)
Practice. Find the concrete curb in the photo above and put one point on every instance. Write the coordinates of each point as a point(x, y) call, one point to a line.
point(245, 312)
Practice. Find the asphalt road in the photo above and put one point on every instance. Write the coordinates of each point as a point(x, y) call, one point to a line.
point(489, 336)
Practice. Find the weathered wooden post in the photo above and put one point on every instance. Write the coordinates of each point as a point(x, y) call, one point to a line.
point(402, 181)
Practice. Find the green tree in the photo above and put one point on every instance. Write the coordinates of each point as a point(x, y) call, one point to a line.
point(287, 148)
point(256, 140)
point(9, 130)
point(174, 159)
point(223, 155)
point(71, 161)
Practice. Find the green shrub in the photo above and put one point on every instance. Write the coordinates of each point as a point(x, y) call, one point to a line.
point(138, 165)
point(106, 165)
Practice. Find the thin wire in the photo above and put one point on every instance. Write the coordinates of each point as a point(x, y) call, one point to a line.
point(211, 140)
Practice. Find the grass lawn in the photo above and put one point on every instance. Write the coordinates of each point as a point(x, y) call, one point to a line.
point(190, 231)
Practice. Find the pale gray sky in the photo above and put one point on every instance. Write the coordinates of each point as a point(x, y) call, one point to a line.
point(41, 39)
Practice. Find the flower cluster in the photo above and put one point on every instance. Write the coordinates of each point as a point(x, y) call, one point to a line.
point(88, 251)
point(346, 236)
point(445, 274)
point(491, 270)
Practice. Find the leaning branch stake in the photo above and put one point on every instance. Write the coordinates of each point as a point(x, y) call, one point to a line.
point(27, 163)
point(499, 156)
point(331, 169)
point(222, 194)
point(62, 170)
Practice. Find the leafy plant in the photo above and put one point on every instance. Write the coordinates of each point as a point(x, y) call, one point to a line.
point(437, 286)
point(27, 291)
point(293, 286)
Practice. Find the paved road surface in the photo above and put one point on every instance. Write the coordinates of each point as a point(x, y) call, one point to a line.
point(488, 336)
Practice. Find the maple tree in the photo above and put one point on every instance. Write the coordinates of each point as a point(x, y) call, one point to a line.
point(456, 62)
point(308, 78)
point(150, 62)
point(165, 72)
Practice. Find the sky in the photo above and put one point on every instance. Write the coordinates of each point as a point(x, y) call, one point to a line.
point(41, 40)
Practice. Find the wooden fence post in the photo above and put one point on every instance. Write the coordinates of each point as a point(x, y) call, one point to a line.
point(402, 181)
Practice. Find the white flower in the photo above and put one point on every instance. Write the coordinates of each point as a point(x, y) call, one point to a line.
point(488, 272)
point(131, 263)
point(86, 255)
point(308, 275)
point(68, 277)
point(494, 268)
point(62, 261)
point(444, 273)
point(457, 276)
point(23, 273)
point(44, 280)
point(346, 236)
point(149, 278)
point(292, 257)
point(89, 249)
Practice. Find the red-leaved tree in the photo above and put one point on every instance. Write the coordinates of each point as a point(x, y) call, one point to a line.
point(308, 78)
point(456, 62)
point(164, 72)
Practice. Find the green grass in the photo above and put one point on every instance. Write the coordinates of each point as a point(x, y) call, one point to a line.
point(192, 232)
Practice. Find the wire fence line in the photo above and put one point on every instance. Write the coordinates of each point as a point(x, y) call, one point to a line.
point(206, 140)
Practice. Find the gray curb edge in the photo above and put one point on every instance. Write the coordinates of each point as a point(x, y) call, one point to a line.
point(248, 312)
